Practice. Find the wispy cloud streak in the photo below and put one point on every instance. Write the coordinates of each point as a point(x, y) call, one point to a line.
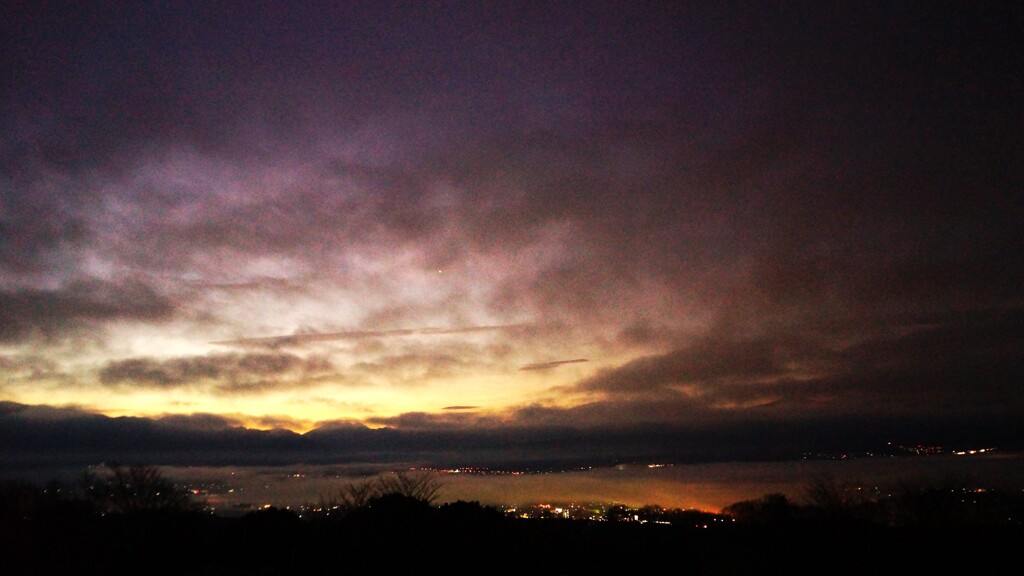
point(552, 364)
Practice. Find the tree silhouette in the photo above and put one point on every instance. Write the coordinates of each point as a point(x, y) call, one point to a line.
point(351, 496)
point(132, 489)
point(768, 509)
point(836, 500)
point(420, 487)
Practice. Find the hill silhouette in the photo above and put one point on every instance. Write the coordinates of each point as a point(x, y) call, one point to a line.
point(69, 530)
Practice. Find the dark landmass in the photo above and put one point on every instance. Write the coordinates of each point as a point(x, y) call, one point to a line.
point(131, 521)
point(40, 438)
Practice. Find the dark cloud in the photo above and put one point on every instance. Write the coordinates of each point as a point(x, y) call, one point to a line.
point(447, 420)
point(552, 364)
point(28, 367)
point(766, 212)
point(40, 436)
point(29, 412)
point(250, 373)
point(342, 424)
point(275, 422)
point(31, 312)
point(709, 361)
point(199, 422)
point(153, 373)
point(33, 240)
point(961, 362)
point(43, 221)
point(659, 186)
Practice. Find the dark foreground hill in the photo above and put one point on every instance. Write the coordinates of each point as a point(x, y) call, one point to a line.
point(399, 535)
point(131, 520)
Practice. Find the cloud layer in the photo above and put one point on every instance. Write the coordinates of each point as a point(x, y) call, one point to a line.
point(459, 218)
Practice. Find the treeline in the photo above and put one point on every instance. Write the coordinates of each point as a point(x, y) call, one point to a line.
point(129, 520)
point(926, 505)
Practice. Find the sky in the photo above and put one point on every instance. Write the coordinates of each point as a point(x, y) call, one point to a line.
point(508, 231)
